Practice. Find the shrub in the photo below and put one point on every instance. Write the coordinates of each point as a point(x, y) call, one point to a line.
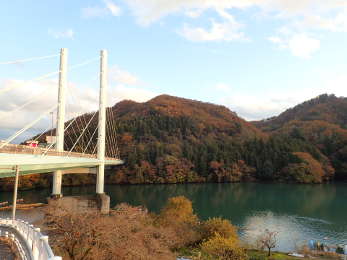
point(222, 248)
point(220, 226)
point(179, 210)
point(178, 216)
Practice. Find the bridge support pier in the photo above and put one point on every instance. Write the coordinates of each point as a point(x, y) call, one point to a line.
point(57, 183)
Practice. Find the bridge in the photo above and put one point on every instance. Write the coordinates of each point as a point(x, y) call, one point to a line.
point(31, 160)
point(59, 155)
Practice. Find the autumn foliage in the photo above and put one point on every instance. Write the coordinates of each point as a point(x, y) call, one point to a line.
point(176, 140)
point(223, 248)
point(133, 233)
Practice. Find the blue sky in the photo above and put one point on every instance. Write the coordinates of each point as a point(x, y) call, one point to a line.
point(257, 57)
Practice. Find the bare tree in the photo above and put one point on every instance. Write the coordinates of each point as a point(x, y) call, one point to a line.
point(127, 233)
point(268, 240)
point(77, 236)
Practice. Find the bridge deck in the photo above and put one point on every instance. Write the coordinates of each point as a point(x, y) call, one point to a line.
point(31, 160)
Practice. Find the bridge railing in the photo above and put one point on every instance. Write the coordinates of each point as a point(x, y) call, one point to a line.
point(24, 149)
point(21, 250)
point(36, 243)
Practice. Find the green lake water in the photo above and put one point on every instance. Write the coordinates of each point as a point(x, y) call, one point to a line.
point(297, 212)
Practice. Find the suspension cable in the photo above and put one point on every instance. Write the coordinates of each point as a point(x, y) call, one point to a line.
point(108, 136)
point(4, 90)
point(31, 100)
point(114, 132)
point(82, 133)
point(26, 127)
point(29, 59)
point(90, 140)
point(80, 119)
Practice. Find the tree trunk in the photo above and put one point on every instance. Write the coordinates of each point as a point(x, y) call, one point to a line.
point(269, 254)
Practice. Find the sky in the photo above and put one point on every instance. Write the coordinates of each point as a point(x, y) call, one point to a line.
point(257, 57)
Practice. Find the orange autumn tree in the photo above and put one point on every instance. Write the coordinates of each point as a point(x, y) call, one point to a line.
point(307, 170)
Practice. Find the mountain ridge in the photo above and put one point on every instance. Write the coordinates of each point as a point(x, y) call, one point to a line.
point(176, 140)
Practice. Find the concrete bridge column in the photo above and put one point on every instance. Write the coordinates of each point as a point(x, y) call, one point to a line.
point(57, 175)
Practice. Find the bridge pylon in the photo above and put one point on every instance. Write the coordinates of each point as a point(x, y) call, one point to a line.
point(102, 122)
point(57, 175)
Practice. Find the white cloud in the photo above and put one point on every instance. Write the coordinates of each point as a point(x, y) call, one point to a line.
point(93, 11)
point(194, 13)
point(264, 105)
point(222, 87)
point(68, 34)
point(335, 23)
point(303, 46)
point(228, 30)
point(149, 11)
point(300, 45)
point(39, 96)
point(112, 7)
point(121, 76)
point(109, 8)
point(121, 92)
point(302, 16)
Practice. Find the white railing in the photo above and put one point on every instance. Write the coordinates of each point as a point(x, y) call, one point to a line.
point(36, 244)
point(22, 252)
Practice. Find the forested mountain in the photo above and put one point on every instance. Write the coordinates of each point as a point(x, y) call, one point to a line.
point(322, 122)
point(328, 108)
point(175, 140)
point(172, 140)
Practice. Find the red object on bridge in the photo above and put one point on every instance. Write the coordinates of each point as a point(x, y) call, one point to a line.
point(32, 143)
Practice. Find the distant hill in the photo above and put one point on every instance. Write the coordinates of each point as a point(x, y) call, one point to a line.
point(327, 108)
point(207, 115)
point(174, 140)
point(321, 121)
point(171, 140)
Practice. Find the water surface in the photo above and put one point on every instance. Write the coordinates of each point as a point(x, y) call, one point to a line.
point(297, 212)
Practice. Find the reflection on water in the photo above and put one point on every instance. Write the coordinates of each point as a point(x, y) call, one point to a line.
point(297, 212)
point(293, 231)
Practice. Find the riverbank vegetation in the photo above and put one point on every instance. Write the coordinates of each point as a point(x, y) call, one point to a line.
point(133, 233)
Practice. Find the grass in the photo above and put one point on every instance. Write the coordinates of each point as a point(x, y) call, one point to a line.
point(261, 255)
point(196, 254)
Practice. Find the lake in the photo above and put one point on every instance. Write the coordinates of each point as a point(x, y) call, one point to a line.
point(297, 212)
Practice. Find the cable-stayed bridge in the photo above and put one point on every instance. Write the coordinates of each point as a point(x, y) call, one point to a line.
point(73, 147)
point(85, 143)
point(31, 161)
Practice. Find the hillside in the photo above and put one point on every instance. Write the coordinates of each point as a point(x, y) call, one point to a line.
point(175, 140)
point(327, 108)
point(171, 139)
point(322, 122)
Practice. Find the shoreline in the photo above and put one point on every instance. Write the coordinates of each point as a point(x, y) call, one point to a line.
point(180, 183)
